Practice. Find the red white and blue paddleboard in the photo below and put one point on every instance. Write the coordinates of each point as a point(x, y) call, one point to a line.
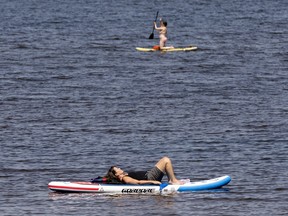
point(85, 187)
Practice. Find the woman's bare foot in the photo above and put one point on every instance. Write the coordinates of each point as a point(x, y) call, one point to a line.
point(176, 182)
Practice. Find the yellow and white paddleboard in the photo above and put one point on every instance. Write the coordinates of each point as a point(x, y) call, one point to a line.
point(184, 49)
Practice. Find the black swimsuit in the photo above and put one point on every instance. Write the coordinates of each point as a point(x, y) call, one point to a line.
point(153, 174)
point(139, 175)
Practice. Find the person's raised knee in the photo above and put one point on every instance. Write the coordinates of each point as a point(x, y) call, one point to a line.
point(166, 159)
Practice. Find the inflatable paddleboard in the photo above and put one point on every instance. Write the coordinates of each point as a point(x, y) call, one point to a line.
point(85, 187)
point(184, 49)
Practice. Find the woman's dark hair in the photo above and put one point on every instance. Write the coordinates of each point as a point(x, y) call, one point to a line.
point(111, 175)
point(112, 170)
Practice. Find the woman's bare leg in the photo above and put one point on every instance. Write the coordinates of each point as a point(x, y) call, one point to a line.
point(165, 165)
point(162, 43)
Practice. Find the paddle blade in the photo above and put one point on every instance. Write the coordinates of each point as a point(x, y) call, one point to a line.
point(151, 36)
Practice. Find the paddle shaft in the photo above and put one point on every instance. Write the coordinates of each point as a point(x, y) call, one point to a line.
point(152, 34)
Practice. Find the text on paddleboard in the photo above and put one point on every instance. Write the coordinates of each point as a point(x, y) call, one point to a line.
point(138, 190)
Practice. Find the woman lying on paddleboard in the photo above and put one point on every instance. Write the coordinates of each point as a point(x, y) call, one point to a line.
point(153, 176)
point(162, 34)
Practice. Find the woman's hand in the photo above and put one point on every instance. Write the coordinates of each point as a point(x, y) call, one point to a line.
point(156, 182)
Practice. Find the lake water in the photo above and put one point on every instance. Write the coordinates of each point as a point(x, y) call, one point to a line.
point(76, 97)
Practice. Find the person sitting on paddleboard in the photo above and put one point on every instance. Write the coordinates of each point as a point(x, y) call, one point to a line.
point(153, 176)
point(162, 34)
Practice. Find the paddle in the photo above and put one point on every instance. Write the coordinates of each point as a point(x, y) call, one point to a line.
point(152, 34)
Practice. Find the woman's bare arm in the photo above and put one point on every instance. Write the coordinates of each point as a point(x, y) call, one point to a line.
point(129, 180)
point(155, 26)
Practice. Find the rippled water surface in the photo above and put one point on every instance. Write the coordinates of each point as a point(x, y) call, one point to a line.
point(76, 97)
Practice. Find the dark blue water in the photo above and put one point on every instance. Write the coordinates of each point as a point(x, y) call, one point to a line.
point(76, 97)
